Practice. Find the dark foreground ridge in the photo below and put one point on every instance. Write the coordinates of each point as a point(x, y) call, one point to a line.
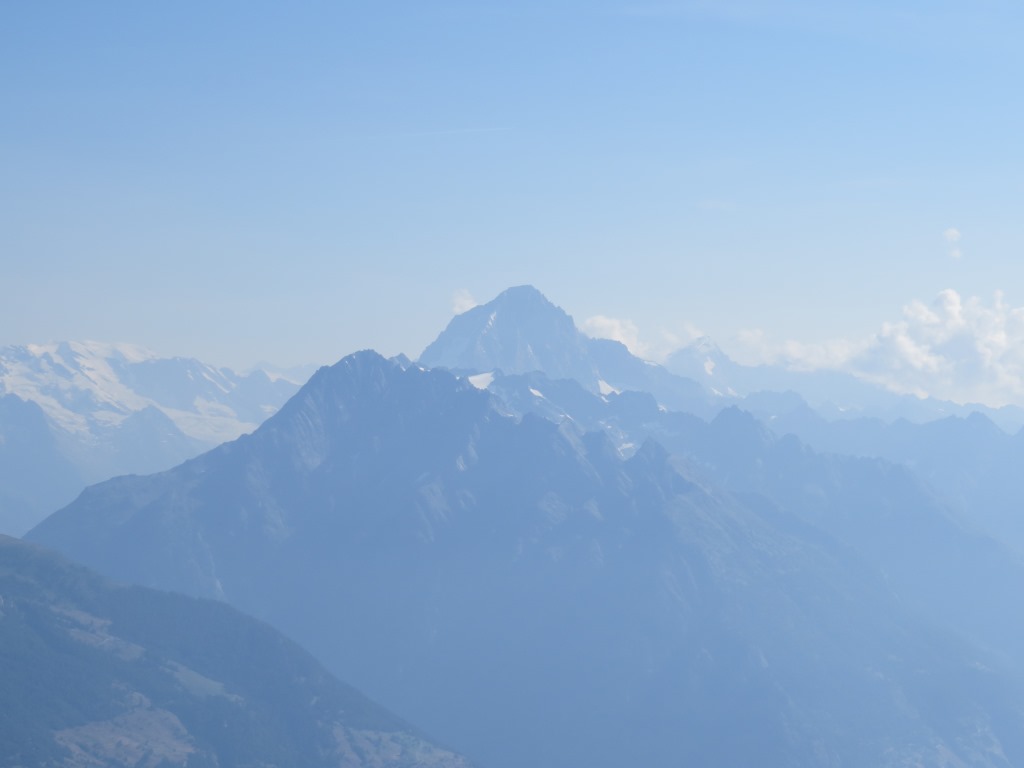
point(102, 675)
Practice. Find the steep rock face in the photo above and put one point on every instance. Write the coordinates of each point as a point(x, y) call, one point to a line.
point(521, 591)
point(97, 674)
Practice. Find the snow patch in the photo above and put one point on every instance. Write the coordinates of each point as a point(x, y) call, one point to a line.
point(606, 389)
point(482, 380)
point(219, 384)
point(709, 366)
point(535, 393)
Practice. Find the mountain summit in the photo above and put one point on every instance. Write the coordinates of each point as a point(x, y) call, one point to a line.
point(518, 332)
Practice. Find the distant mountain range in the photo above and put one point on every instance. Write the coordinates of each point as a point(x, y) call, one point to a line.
point(521, 331)
point(80, 412)
point(519, 589)
point(113, 409)
point(102, 675)
point(832, 394)
point(883, 509)
point(555, 553)
point(955, 448)
point(969, 461)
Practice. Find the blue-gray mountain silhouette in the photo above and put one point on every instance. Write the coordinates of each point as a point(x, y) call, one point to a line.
point(519, 590)
point(969, 461)
point(932, 550)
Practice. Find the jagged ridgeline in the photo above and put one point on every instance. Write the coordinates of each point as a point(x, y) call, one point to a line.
point(520, 590)
point(93, 674)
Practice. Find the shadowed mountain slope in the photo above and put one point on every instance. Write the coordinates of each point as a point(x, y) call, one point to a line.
point(932, 551)
point(101, 675)
point(968, 460)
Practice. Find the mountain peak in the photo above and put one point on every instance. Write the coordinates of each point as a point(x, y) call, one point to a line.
point(355, 375)
point(518, 331)
point(523, 296)
point(740, 427)
point(518, 304)
point(697, 355)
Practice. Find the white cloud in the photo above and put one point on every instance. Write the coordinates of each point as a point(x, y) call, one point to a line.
point(604, 327)
point(953, 348)
point(686, 334)
point(627, 332)
point(756, 348)
point(463, 301)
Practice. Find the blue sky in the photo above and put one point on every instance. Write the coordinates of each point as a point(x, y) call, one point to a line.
point(245, 181)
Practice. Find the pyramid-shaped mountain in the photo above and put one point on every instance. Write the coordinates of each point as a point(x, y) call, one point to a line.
point(517, 332)
point(101, 675)
point(521, 331)
point(520, 591)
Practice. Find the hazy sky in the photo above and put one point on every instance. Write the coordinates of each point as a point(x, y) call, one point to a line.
point(294, 181)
